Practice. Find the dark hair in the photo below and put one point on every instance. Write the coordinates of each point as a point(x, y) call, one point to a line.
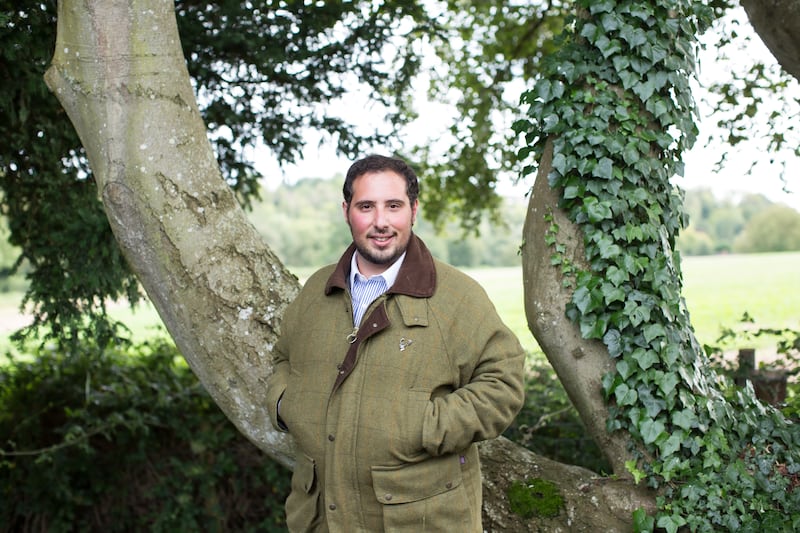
point(378, 163)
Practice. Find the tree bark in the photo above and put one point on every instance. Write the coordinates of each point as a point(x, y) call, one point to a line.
point(579, 363)
point(777, 22)
point(119, 72)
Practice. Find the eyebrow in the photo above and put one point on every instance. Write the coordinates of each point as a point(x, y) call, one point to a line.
point(390, 201)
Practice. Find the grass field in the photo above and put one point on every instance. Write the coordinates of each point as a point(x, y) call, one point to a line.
point(718, 290)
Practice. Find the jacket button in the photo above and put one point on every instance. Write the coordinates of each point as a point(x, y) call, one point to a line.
point(331, 438)
point(332, 507)
point(448, 485)
point(388, 497)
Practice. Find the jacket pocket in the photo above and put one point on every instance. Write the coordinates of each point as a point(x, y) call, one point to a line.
point(426, 496)
point(302, 505)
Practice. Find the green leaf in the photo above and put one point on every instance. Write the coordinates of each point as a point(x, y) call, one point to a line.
point(645, 358)
point(603, 169)
point(653, 331)
point(685, 419)
point(650, 430)
point(625, 395)
point(593, 326)
point(672, 444)
point(671, 523)
point(613, 341)
point(642, 522)
point(625, 369)
point(668, 383)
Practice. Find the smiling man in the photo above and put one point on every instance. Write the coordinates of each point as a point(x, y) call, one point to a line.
point(391, 365)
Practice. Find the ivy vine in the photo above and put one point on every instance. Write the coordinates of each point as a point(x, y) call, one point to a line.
point(616, 104)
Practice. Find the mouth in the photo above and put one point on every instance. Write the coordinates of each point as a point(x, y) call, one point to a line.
point(381, 240)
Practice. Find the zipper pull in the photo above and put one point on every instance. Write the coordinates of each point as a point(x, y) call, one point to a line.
point(351, 338)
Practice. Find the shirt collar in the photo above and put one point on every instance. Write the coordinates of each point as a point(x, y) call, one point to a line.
point(389, 275)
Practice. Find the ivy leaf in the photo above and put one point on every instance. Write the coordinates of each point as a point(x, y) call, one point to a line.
point(650, 430)
point(608, 47)
point(653, 331)
point(613, 341)
point(616, 275)
point(672, 444)
point(630, 154)
point(612, 293)
point(560, 163)
point(671, 523)
point(642, 521)
point(593, 327)
point(684, 419)
point(603, 169)
point(624, 368)
point(625, 395)
point(644, 89)
point(668, 382)
point(645, 358)
point(628, 77)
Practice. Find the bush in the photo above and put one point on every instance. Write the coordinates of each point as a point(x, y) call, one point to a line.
point(126, 440)
point(549, 424)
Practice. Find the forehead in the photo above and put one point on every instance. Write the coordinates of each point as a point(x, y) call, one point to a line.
point(379, 185)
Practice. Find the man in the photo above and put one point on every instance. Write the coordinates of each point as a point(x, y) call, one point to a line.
point(389, 367)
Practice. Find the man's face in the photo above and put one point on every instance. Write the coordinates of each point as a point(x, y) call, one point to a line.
point(380, 217)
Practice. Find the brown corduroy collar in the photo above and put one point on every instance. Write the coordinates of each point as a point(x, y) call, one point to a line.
point(417, 276)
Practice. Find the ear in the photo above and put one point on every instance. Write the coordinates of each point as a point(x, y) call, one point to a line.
point(344, 212)
point(414, 208)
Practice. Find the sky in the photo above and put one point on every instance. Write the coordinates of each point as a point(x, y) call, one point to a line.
point(730, 182)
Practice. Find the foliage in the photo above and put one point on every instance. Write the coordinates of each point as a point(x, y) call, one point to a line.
point(549, 424)
point(125, 440)
point(483, 50)
point(262, 75)
point(535, 497)
point(748, 225)
point(615, 102)
point(752, 105)
point(776, 229)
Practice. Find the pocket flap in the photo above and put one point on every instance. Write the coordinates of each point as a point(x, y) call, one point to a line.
point(417, 481)
point(304, 474)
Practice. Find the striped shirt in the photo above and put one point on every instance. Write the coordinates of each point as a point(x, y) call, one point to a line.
point(366, 290)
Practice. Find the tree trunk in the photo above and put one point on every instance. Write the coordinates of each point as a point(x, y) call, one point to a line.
point(579, 363)
point(119, 72)
point(777, 22)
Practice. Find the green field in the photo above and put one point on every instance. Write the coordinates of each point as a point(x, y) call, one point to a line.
point(718, 290)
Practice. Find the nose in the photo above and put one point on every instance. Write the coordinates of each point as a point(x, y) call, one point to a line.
point(381, 219)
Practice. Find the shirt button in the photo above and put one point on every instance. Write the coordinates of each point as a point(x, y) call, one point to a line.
point(388, 497)
point(332, 507)
point(448, 485)
point(331, 438)
point(374, 325)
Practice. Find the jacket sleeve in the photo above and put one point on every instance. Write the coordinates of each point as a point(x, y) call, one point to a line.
point(489, 361)
point(276, 384)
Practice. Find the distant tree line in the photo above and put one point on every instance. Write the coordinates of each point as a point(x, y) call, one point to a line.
point(303, 223)
point(753, 224)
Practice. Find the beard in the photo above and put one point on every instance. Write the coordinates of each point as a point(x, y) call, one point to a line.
point(380, 256)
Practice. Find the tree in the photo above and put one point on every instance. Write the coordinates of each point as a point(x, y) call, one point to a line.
point(609, 121)
point(255, 83)
point(609, 287)
point(776, 229)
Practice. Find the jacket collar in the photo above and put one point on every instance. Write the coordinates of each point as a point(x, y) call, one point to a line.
point(417, 276)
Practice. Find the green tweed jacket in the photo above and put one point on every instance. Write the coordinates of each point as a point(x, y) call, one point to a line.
point(386, 415)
